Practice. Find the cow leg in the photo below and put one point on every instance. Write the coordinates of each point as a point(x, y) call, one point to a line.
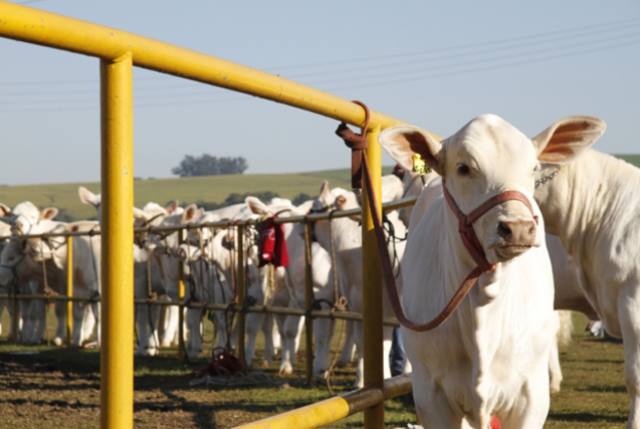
point(555, 371)
point(39, 311)
point(220, 322)
point(349, 348)
point(628, 304)
point(432, 407)
point(533, 407)
point(60, 309)
point(171, 321)
point(253, 324)
point(194, 343)
point(291, 332)
point(323, 331)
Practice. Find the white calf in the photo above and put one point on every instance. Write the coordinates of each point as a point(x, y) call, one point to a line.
point(491, 356)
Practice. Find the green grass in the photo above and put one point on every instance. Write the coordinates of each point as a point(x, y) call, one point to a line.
point(59, 389)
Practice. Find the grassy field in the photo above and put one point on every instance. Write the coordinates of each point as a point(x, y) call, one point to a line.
point(185, 190)
point(43, 387)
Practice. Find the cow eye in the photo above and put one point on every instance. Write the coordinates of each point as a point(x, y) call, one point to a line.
point(463, 169)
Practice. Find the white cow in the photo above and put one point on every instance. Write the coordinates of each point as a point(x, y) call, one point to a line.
point(491, 356)
point(30, 259)
point(343, 236)
point(148, 318)
point(568, 294)
point(289, 287)
point(592, 205)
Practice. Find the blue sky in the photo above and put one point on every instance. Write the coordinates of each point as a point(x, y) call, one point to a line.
point(434, 64)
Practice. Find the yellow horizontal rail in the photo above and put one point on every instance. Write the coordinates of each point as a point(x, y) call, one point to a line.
point(333, 409)
point(48, 29)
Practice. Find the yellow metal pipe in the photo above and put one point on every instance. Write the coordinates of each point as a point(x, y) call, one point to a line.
point(321, 413)
point(372, 286)
point(333, 409)
point(69, 289)
point(57, 31)
point(116, 356)
point(182, 352)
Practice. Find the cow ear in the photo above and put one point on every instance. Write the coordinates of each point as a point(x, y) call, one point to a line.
point(5, 210)
point(48, 213)
point(191, 213)
point(140, 214)
point(567, 138)
point(88, 197)
point(403, 142)
point(256, 206)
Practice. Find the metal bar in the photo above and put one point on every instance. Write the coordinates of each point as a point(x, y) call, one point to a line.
point(69, 289)
point(289, 311)
point(116, 355)
point(57, 31)
point(372, 288)
point(15, 316)
point(333, 409)
point(241, 285)
point(308, 301)
point(182, 351)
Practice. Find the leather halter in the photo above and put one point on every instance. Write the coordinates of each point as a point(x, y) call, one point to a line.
point(465, 222)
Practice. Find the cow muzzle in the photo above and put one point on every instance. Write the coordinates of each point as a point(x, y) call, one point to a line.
point(514, 238)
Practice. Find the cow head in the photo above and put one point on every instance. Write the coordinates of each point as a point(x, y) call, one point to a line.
point(485, 158)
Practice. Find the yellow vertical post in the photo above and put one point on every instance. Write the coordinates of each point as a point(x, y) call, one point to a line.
point(181, 292)
point(69, 288)
point(116, 356)
point(241, 290)
point(372, 290)
point(308, 300)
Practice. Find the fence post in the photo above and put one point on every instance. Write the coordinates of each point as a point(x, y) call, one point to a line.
point(69, 288)
point(372, 288)
point(181, 292)
point(241, 291)
point(308, 300)
point(116, 354)
point(15, 317)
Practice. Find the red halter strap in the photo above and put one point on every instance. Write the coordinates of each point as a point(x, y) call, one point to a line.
point(465, 222)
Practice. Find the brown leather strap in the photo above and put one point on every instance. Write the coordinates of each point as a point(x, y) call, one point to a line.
point(357, 143)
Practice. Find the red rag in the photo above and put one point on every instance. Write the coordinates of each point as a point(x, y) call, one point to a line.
point(495, 423)
point(272, 244)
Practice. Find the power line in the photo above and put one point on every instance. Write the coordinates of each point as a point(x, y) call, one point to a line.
point(410, 75)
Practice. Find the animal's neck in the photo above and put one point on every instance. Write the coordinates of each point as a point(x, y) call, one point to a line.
point(584, 196)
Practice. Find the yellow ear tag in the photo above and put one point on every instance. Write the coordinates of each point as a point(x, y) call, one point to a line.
point(419, 166)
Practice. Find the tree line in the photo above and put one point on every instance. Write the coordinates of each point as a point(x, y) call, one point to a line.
point(207, 165)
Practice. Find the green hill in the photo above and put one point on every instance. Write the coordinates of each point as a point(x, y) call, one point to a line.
point(210, 189)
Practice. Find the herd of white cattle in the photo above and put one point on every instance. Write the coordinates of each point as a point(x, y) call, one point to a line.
point(497, 355)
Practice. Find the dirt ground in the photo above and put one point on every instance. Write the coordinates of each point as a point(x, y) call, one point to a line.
point(45, 387)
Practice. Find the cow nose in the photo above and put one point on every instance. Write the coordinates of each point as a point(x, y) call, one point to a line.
point(519, 232)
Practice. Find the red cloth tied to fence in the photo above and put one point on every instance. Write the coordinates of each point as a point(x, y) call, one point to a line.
point(272, 245)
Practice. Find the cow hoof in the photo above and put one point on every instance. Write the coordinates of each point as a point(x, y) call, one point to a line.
point(554, 387)
point(57, 341)
point(286, 369)
point(90, 345)
point(265, 364)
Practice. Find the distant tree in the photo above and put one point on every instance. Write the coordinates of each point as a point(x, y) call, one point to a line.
point(301, 198)
point(207, 165)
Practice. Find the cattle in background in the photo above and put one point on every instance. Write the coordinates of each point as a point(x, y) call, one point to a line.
point(491, 356)
point(591, 203)
point(343, 237)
